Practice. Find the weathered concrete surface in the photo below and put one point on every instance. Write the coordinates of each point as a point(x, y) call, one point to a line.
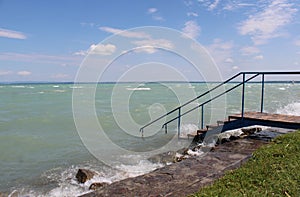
point(186, 177)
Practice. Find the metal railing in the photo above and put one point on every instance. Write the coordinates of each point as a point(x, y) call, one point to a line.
point(202, 105)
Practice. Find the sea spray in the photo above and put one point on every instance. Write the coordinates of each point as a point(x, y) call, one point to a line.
point(186, 129)
point(290, 109)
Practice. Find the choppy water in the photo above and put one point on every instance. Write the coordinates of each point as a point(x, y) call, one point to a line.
point(41, 150)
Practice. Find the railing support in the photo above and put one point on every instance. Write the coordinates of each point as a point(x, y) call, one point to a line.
point(254, 75)
point(262, 93)
point(179, 120)
point(166, 129)
point(202, 116)
point(243, 96)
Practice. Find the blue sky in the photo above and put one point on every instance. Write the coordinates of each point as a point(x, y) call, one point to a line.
point(48, 40)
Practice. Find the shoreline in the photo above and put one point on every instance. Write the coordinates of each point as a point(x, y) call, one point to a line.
point(187, 177)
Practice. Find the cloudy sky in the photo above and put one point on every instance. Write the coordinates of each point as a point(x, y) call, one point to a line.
point(48, 40)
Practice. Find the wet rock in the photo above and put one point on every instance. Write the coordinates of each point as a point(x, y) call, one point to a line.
point(198, 139)
point(223, 140)
point(84, 175)
point(164, 158)
point(249, 131)
point(95, 186)
point(264, 135)
point(169, 157)
point(233, 137)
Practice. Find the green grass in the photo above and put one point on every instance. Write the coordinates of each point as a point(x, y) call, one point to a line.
point(273, 170)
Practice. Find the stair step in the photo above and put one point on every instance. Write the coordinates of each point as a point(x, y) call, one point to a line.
point(198, 132)
point(201, 131)
point(212, 126)
point(221, 122)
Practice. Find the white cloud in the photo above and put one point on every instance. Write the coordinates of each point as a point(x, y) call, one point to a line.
point(100, 49)
point(234, 5)
point(150, 45)
point(249, 50)
point(191, 29)
point(188, 3)
point(128, 34)
point(221, 51)
point(213, 5)
point(259, 57)
point(158, 18)
point(229, 60)
point(152, 10)
point(267, 23)
point(218, 44)
point(235, 68)
point(5, 72)
point(12, 34)
point(192, 14)
point(80, 53)
point(154, 14)
point(24, 73)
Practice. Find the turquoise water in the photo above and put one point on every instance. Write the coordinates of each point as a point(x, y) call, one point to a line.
point(40, 148)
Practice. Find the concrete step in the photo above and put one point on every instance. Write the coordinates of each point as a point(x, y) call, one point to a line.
point(212, 126)
point(221, 122)
point(201, 131)
point(198, 132)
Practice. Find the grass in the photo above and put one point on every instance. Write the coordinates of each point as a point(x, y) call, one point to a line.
point(273, 170)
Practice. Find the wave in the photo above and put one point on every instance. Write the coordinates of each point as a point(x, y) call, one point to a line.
point(18, 86)
point(290, 109)
point(76, 87)
point(67, 185)
point(59, 91)
point(137, 89)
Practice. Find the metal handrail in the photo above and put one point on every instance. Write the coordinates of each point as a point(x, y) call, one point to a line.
point(243, 74)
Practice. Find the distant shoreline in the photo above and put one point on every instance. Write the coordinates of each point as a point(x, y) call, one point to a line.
point(133, 82)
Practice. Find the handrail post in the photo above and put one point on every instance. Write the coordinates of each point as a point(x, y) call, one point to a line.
point(166, 129)
point(179, 119)
point(243, 96)
point(202, 116)
point(262, 93)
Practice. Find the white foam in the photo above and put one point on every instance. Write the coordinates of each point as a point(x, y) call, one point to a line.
point(138, 89)
point(68, 185)
point(290, 109)
point(56, 86)
point(281, 88)
point(18, 86)
point(195, 153)
point(186, 129)
point(76, 87)
point(142, 167)
point(59, 91)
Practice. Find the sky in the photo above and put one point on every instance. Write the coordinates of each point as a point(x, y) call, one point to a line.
point(49, 40)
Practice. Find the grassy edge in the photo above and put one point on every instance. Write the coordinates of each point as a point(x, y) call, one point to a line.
point(273, 170)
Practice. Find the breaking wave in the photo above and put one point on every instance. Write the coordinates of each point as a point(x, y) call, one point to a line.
point(290, 109)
